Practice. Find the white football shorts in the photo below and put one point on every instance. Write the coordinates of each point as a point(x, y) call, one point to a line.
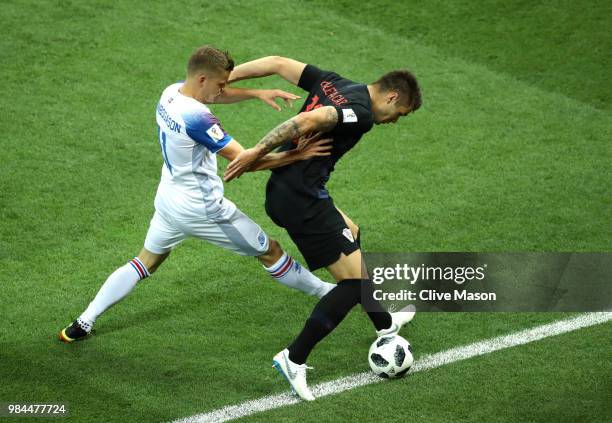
point(237, 232)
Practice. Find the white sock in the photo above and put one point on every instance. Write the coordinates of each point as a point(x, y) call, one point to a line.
point(117, 287)
point(292, 274)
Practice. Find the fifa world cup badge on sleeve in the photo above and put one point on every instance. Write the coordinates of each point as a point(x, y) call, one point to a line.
point(215, 132)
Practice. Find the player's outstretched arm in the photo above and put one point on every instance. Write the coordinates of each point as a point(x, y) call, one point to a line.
point(234, 95)
point(321, 120)
point(313, 147)
point(289, 69)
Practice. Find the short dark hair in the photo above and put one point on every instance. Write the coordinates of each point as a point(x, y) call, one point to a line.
point(211, 59)
point(403, 82)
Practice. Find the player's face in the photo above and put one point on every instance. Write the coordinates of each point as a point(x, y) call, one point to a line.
point(212, 85)
point(390, 110)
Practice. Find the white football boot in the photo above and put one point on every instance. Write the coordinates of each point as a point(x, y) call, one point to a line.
point(398, 319)
point(294, 373)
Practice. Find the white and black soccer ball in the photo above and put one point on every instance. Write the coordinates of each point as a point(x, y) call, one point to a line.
point(390, 356)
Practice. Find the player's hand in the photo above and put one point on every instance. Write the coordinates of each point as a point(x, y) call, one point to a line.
point(269, 97)
point(240, 164)
point(305, 140)
point(317, 148)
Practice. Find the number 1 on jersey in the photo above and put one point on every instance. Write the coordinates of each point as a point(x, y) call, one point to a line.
point(162, 144)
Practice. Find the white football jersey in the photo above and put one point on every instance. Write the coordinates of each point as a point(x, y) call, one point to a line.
point(189, 137)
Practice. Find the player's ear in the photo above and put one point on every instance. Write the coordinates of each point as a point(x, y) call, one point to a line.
point(392, 97)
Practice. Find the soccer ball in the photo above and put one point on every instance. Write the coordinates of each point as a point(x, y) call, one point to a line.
point(390, 356)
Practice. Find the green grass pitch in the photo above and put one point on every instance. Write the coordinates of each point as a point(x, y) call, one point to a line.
point(510, 152)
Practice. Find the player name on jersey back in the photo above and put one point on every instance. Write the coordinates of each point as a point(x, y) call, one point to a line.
point(172, 124)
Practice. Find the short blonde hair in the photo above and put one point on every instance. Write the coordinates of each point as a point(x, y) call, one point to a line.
point(209, 58)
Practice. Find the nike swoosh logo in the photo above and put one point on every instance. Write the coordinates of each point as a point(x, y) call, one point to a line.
point(291, 374)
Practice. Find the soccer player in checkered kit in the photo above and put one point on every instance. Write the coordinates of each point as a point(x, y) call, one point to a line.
point(298, 200)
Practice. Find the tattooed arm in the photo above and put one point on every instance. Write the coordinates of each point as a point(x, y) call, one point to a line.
point(323, 120)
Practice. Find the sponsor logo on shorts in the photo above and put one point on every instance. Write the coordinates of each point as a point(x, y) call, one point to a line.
point(347, 234)
point(261, 238)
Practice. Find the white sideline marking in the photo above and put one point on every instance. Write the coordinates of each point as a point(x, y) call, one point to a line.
point(432, 361)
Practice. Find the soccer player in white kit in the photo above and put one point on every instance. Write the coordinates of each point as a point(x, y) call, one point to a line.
point(189, 200)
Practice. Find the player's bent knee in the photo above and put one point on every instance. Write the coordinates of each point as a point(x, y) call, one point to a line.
point(274, 249)
point(272, 254)
point(347, 267)
point(152, 261)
